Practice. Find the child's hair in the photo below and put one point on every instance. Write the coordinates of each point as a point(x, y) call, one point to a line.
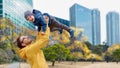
point(27, 13)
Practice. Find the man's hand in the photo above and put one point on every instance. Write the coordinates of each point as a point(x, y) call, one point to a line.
point(42, 33)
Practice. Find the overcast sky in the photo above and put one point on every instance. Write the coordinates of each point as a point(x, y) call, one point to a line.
point(60, 8)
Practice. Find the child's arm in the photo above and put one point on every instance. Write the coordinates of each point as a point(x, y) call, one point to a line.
point(43, 25)
point(40, 20)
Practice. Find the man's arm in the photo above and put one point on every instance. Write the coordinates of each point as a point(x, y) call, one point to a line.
point(40, 42)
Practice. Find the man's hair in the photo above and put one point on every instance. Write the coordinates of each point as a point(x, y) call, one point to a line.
point(19, 44)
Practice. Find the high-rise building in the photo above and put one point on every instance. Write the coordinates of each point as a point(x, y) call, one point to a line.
point(1, 6)
point(96, 33)
point(14, 10)
point(80, 17)
point(113, 27)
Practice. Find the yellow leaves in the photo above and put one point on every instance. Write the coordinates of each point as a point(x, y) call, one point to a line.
point(3, 38)
point(84, 38)
point(9, 45)
point(5, 22)
point(82, 46)
point(27, 31)
point(95, 56)
point(77, 54)
point(77, 31)
point(63, 38)
point(113, 47)
point(3, 26)
point(15, 35)
point(87, 53)
point(55, 35)
point(86, 57)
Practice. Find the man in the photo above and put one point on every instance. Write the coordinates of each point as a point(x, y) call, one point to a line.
point(32, 51)
point(39, 20)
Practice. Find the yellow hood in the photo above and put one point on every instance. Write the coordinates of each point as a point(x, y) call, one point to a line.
point(22, 53)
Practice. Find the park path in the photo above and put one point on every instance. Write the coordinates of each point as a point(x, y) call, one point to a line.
point(15, 65)
point(102, 65)
point(67, 65)
point(12, 65)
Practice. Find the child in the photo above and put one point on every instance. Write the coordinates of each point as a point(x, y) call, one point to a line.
point(37, 18)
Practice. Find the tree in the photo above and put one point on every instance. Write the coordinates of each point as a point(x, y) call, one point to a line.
point(56, 52)
point(89, 45)
point(97, 49)
point(8, 34)
point(105, 47)
point(107, 57)
point(6, 39)
point(116, 55)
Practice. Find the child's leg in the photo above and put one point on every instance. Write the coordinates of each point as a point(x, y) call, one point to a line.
point(57, 29)
point(62, 26)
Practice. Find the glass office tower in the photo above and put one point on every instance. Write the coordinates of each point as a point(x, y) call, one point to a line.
point(14, 10)
point(113, 27)
point(80, 17)
point(1, 8)
point(96, 32)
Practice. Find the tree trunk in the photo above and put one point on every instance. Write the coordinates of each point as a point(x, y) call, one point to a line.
point(107, 61)
point(53, 63)
point(117, 62)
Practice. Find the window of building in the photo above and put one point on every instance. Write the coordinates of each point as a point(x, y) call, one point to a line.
point(1, 1)
point(1, 11)
point(0, 6)
point(1, 15)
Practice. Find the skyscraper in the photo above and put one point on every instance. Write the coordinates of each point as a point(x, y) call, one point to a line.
point(1, 6)
point(14, 10)
point(96, 27)
point(80, 17)
point(113, 26)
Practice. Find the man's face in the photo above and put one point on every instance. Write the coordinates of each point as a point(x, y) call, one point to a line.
point(30, 18)
point(25, 40)
point(46, 19)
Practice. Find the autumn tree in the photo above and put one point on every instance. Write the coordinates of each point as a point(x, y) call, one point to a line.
point(116, 55)
point(56, 52)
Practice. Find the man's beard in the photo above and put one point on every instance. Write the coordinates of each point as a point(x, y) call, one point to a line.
point(29, 42)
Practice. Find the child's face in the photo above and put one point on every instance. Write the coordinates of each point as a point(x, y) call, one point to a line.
point(30, 18)
point(46, 19)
